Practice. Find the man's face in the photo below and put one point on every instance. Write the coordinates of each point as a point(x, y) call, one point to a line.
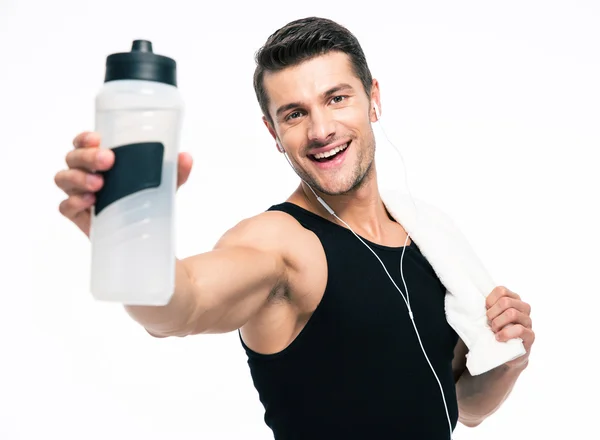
point(319, 108)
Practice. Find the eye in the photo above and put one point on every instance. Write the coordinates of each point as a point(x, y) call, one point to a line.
point(293, 115)
point(338, 99)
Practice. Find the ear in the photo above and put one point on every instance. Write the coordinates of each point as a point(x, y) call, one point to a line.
point(273, 133)
point(375, 101)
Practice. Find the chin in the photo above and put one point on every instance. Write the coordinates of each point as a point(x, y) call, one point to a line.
point(342, 181)
point(341, 186)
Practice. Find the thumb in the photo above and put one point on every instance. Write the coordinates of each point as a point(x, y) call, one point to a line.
point(184, 167)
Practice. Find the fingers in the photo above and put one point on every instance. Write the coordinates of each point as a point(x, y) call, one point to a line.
point(76, 181)
point(88, 155)
point(506, 303)
point(184, 167)
point(76, 204)
point(86, 139)
point(90, 159)
point(510, 317)
point(517, 331)
point(498, 293)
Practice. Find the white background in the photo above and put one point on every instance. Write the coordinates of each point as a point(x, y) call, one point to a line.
point(493, 104)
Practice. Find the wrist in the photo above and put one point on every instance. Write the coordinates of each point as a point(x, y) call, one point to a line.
point(519, 364)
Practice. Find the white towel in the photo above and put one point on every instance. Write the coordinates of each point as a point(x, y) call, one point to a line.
point(463, 275)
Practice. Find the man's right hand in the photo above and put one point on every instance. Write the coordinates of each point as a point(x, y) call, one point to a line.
point(81, 180)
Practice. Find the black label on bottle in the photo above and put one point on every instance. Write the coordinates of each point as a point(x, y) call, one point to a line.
point(136, 167)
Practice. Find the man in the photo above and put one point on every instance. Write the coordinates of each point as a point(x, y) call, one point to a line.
point(330, 344)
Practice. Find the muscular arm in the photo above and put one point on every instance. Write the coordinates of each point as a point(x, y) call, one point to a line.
point(480, 396)
point(220, 290)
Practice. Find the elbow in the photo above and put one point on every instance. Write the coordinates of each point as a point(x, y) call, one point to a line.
point(155, 335)
point(471, 423)
point(178, 330)
point(178, 334)
point(471, 420)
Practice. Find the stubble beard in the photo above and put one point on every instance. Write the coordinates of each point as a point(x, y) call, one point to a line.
point(361, 171)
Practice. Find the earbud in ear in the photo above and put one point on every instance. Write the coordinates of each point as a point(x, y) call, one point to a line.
point(376, 107)
point(279, 147)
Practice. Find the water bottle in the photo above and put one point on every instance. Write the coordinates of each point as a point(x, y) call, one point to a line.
point(138, 115)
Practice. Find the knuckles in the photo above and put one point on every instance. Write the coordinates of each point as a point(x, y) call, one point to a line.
point(505, 302)
point(512, 314)
point(498, 292)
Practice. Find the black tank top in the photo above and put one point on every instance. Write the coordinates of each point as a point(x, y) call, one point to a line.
point(356, 370)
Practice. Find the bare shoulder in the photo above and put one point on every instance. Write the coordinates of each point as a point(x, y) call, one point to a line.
point(270, 231)
point(279, 321)
point(282, 236)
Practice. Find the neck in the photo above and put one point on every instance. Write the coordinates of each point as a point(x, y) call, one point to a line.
point(362, 209)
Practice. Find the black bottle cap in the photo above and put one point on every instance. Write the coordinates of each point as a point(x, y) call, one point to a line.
point(141, 63)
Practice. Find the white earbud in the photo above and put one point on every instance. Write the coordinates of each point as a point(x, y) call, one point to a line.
point(279, 147)
point(376, 107)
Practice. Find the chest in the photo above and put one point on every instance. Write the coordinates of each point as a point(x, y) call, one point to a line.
point(367, 303)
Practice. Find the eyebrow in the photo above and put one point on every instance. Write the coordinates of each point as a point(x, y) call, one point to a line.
point(338, 88)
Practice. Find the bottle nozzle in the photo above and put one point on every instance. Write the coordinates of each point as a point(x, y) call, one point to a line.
point(141, 63)
point(141, 46)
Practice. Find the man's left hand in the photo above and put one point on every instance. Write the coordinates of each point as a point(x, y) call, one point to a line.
point(509, 318)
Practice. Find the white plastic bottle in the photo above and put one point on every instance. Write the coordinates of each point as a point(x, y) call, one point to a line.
point(138, 114)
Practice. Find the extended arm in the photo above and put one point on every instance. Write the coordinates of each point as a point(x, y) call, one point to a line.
point(220, 290)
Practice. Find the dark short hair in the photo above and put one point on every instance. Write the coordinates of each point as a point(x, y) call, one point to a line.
point(301, 40)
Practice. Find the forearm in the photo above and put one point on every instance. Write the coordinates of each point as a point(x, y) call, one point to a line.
point(172, 318)
point(480, 396)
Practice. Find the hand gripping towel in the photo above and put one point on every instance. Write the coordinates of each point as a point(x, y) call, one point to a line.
point(463, 275)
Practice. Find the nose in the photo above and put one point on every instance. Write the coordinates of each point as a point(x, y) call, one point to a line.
point(321, 127)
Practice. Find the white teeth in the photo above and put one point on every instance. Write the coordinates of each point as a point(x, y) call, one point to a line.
point(331, 152)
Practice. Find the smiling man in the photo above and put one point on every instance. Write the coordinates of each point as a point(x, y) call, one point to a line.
point(330, 345)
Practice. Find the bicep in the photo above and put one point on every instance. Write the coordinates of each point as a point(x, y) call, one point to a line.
point(237, 278)
point(232, 284)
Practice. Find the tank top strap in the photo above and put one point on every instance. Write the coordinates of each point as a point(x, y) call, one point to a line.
point(325, 229)
point(307, 219)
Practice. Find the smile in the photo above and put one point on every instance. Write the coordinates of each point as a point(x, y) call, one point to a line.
point(331, 154)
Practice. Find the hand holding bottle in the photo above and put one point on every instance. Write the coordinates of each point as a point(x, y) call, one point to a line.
point(82, 179)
